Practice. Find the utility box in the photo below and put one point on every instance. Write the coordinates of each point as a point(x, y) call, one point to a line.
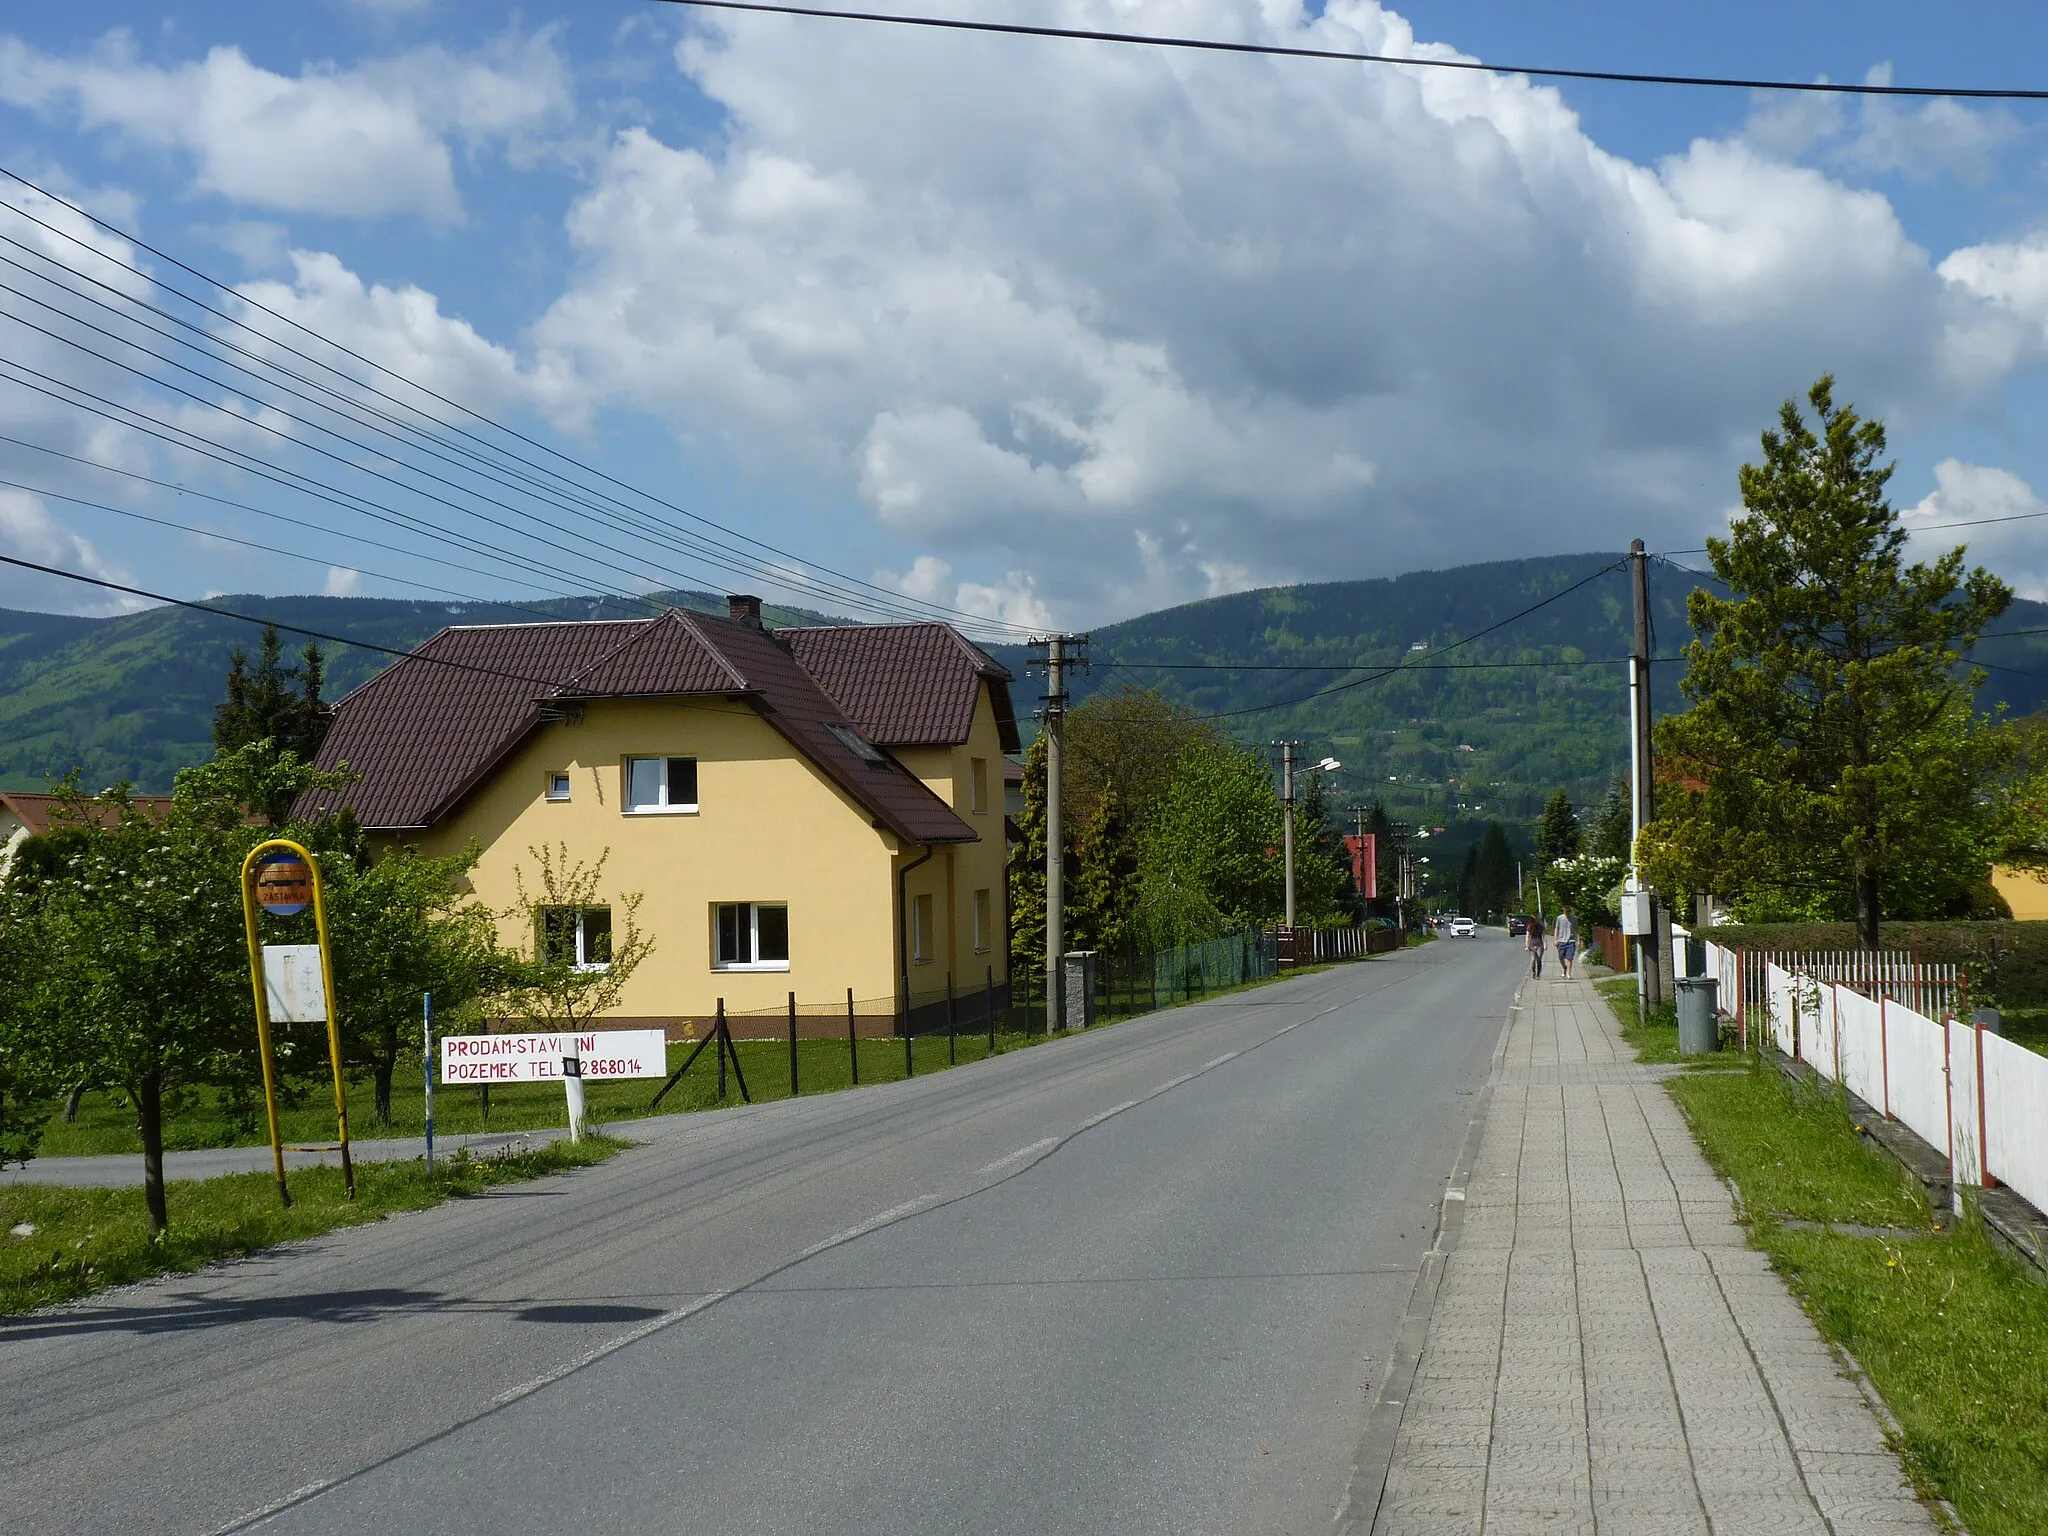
point(1699, 1029)
point(1636, 920)
point(1077, 1007)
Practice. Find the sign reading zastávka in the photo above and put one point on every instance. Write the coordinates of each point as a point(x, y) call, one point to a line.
point(605, 1053)
point(284, 884)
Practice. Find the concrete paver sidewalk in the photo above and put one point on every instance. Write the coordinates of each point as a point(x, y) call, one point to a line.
point(1605, 1354)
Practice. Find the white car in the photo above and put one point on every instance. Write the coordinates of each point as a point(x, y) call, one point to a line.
point(1463, 928)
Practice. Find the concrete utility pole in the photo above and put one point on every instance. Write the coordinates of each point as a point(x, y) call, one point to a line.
point(1650, 986)
point(1287, 817)
point(1057, 659)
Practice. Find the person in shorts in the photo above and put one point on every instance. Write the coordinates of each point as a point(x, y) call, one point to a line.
point(1567, 940)
point(1535, 941)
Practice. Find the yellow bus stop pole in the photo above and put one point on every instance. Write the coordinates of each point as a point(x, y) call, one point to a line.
point(284, 1193)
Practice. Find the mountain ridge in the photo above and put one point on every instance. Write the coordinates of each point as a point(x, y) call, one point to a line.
point(1480, 726)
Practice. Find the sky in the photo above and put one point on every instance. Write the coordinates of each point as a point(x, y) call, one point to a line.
point(1040, 332)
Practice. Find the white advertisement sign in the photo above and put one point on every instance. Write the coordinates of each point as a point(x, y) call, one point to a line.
point(292, 989)
point(606, 1053)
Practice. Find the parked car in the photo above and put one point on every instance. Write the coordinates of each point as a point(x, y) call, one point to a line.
point(1463, 928)
point(1518, 925)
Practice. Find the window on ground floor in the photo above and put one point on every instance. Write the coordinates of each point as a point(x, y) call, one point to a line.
point(921, 935)
point(984, 910)
point(581, 936)
point(751, 936)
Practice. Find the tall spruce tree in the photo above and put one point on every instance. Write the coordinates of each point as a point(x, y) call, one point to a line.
point(1559, 835)
point(271, 700)
point(1833, 747)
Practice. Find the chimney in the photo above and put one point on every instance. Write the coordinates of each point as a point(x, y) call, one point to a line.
point(744, 609)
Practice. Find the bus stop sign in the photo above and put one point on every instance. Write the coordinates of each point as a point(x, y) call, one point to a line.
point(284, 884)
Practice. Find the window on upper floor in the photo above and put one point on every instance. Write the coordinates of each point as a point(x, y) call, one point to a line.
point(750, 936)
point(581, 936)
point(558, 786)
point(977, 785)
point(655, 785)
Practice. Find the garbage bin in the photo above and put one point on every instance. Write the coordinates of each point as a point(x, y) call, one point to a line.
point(1698, 1029)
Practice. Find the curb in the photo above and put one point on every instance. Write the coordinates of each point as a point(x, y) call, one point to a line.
point(1359, 1512)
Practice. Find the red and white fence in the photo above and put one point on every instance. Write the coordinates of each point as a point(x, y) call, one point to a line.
point(1886, 1028)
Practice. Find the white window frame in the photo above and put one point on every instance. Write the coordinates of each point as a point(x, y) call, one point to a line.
point(664, 806)
point(582, 961)
point(984, 919)
point(922, 909)
point(558, 778)
point(977, 785)
point(753, 912)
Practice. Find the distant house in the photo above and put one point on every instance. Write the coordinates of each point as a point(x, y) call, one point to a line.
point(23, 816)
point(2024, 891)
point(803, 810)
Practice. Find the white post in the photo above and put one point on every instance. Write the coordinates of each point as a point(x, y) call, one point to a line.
point(572, 1083)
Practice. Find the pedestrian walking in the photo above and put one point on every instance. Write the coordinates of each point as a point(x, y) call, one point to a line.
point(1567, 940)
point(1535, 941)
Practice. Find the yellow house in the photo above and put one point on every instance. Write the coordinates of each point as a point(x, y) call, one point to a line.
point(2024, 891)
point(805, 811)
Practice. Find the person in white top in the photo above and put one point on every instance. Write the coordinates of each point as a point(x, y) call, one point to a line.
point(1566, 936)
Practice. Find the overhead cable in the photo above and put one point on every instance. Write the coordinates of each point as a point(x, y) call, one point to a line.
point(1343, 55)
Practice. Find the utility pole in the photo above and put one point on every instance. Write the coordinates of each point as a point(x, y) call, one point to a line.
point(1649, 963)
point(1287, 818)
point(1057, 659)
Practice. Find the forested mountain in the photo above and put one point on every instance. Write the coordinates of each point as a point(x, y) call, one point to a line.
point(1492, 726)
point(133, 697)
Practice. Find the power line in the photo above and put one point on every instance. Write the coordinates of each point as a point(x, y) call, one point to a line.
point(797, 578)
point(1276, 50)
point(1259, 709)
point(292, 629)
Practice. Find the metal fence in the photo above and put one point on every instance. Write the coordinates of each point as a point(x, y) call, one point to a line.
point(1135, 981)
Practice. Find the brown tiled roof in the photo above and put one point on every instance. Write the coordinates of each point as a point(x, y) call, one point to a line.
point(906, 685)
point(34, 811)
point(425, 733)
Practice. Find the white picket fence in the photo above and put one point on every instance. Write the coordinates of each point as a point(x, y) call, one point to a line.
point(1961, 1089)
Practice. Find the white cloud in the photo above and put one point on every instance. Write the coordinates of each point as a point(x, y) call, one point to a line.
point(1012, 600)
point(1148, 325)
point(343, 582)
point(1926, 141)
point(363, 143)
point(2010, 532)
point(29, 532)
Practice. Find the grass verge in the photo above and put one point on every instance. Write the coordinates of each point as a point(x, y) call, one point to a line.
point(84, 1240)
point(1952, 1333)
point(199, 1117)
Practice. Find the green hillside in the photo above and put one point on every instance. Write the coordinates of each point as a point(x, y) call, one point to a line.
point(133, 697)
point(1530, 728)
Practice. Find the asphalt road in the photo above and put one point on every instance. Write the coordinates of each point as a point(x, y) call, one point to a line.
point(1141, 1280)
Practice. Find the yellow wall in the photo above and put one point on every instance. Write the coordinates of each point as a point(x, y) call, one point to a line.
point(958, 870)
point(2025, 894)
point(770, 828)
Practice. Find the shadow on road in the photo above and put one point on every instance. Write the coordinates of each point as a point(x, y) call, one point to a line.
point(186, 1313)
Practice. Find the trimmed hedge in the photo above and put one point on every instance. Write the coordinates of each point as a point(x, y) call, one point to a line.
point(2007, 962)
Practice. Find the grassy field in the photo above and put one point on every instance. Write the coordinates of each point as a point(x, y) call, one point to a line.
point(1952, 1333)
point(58, 1244)
point(198, 1117)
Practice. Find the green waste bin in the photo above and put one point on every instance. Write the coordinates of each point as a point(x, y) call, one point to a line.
point(1699, 1031)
